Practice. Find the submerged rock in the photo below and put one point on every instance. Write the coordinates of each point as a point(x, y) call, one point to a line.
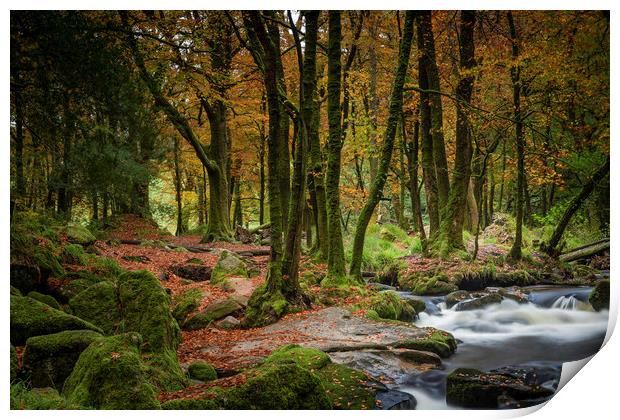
point(478, 302)
point(393, 399)
point(599, 297)
point(473, 388)
point(49, 359)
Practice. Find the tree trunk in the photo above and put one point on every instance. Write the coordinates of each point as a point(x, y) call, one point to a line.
point(412, 167)
point(586, 190)
point(178, 189)
point(395, 110)
point(452, 215)
point(515, 76)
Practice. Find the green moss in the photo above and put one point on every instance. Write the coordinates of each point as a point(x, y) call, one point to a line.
point(191, 404)
point(422, 284)
point(389, 305)
point(201, 371)
point(14, 364)
point(146, 309)
point(110, 375)
point(47, 299)
point(212, 312)
point(74, 254)
point(185, 303)
point(435, 341)
point(279, 387)
point(339, 281)
point(15, 291)
point(179, 249)
point(346, 388)
point(308, 358)
point(46, 260)
point(164, 371)
point(599, 297)
point(98, 304)
point(228, 265)
point(265, 306)
point(49, 359)
point(78, 234)
point(23, 398)
point(107, 267)
point(30, 318)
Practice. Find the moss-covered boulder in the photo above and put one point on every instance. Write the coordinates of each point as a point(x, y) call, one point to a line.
point(599, 297)
point(98, 304)
point(201, 371)
point(421, 284)
point(47, 299)
point(15, 291)
point(191, 404)
point(308, 358)
point(30, 318)
point(265, 307)
point(109, 374)
point(476, 389)
point(279, 387)
point(24, 398)
point(49, 359)
point(14, 364)
point(214, 311)
point(146, 309)
point(185, 303)
point(78, 234)
point(73, 254)
point(389, 305)
point(435, 341)
point(48, 263)
point(478, 301)
point(163, 370)
point(229, 264)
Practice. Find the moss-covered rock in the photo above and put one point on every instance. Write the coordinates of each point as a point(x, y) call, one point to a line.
point(191, 404)
point(78, 234)
point(185, 303)
point(599, 297)
point(15, 291)
point(48, 262)
point(308, 358)
point(23, 398)
point(110, 375)
point(347, 388)
point(74, 254)
point(477, 301)
point(420, 284)
point(146, 309)
point(30, 318)
point(228, 265)
point(49, 359)
point(279, 387)
point(418, 304)
point(265, 306)
point(389, 305)
point(98, 304)
point(436, 341)
point(163, 370)
point(476, 389)
point(14, 364)
point(201, 371)
point(47, 299)
point(214, 311)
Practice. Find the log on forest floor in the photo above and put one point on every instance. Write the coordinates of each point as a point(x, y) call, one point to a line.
point(586, 251)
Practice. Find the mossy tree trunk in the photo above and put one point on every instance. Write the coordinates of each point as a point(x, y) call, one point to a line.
point(395, 110)
point(335, 261)
point(515, 76)
point(214, 157)
point(178, 188)
point(453, 213)
point(412, 149)
point(426, 45)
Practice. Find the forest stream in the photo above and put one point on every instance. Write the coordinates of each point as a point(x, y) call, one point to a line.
point(556, 325)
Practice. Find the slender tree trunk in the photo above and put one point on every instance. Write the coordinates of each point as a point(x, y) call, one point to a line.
point(412, 166)
point(515, 75)
point(503, 181)
point(551, 246)
point(178, 188)
point(395, 110)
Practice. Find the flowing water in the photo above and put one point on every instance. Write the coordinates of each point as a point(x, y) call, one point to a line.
point(556, 325)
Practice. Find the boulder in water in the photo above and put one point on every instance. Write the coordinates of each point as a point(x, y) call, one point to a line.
point(599, 298)
point(393, 399)
point(478, 302)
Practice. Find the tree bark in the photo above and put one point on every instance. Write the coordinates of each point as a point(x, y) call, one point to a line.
point(396, 102)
